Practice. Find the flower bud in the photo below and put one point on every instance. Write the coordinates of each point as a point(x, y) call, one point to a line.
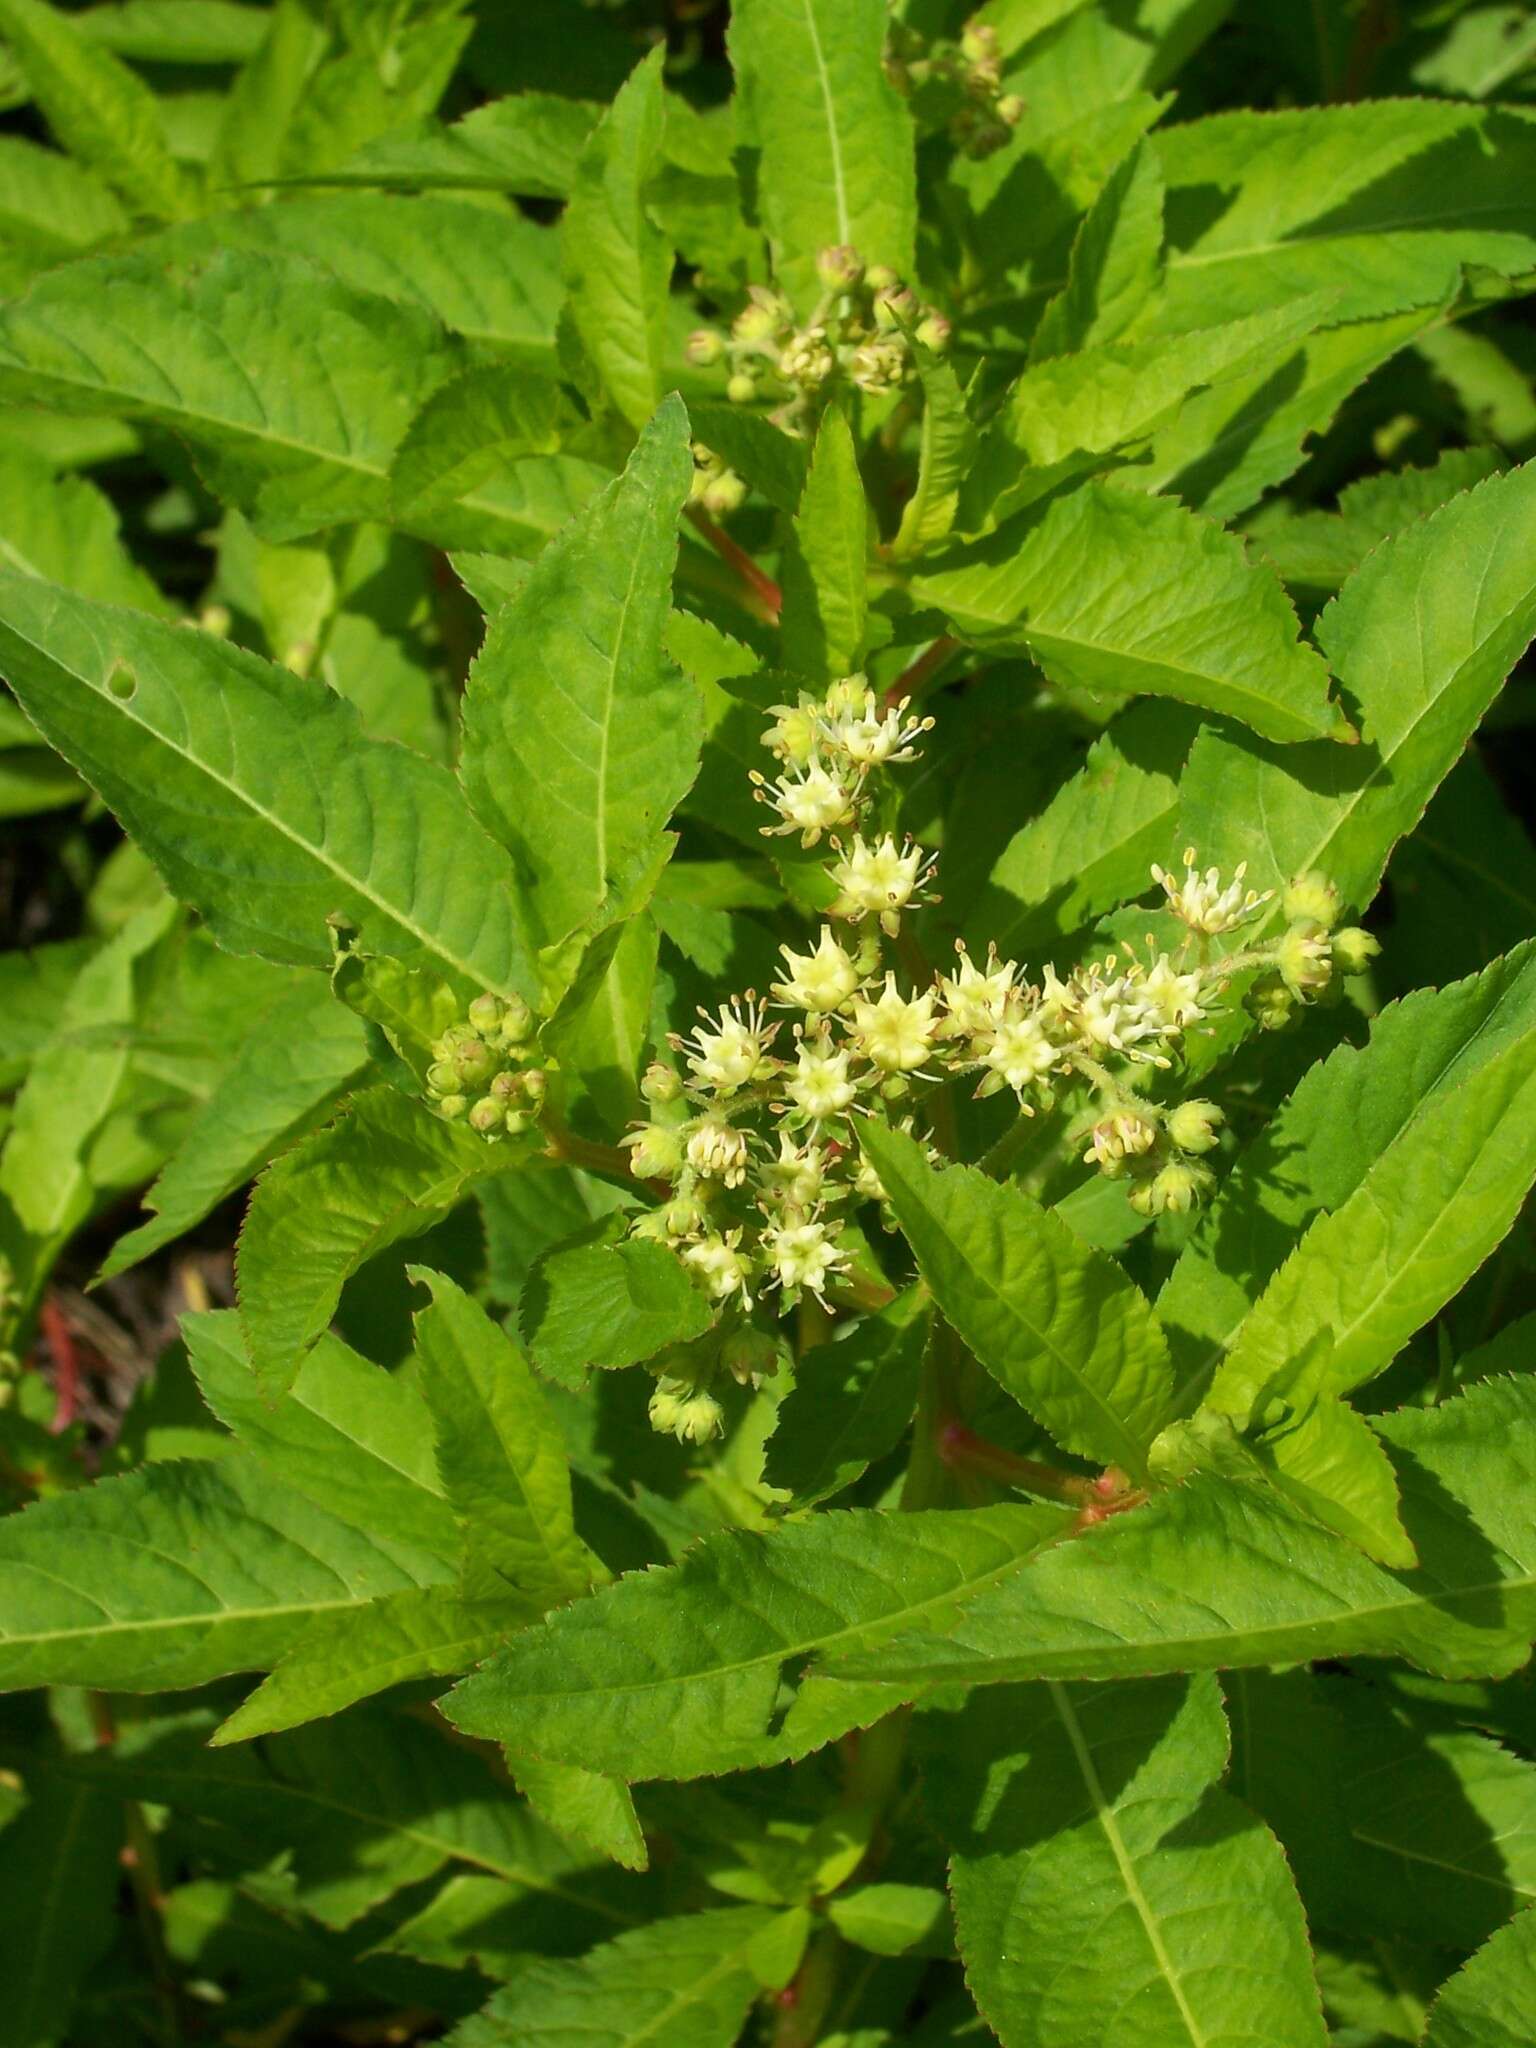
point(1270, 1004)
point(1009, 109)
point(935, 332)
point(474, 1063)
point(506, 1088)
point(1311, 899)
point(880, 277)
point(757, 322)
point(840, 267)
point(749, 1355)
point(723, 493)
point(660, 1085)
point(1354, 949)
point(1303, 957)
point(485, 1014)
point(535, 1083)
point(516, 1022)
point(1174, 1191)
point(685, 1216)
point(453, 1106)
point(1193, 1125)
point(487, 1117)
point(443, 1077)
point(655, 1152)
point(705, 346)
point(741, 388)
point(517, 1121)
point(895, 305)
point(978, 42)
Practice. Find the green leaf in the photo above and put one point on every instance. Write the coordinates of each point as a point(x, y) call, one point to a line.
point(851, 1403)
point(78, 1078)
point(294, 388)
point(499, 1451)
point(1101, 1880)
point(1330, 1463)
point(771, 461)
point(1383, 202)
point(617, 263)
point(1217, 1575)
point(1056, 1323)
point(387, 1170)
point(529, 143)
point(303, 1054)
point(1374, 1269)
point(1421, 666)
point(1157, 601)
point(64, 530)
point(687, 1982)
point(59, 1873)
point(1487, 2004)
point(834, 139)
point(355, 1440)
point(344, 1656)
point(825, 561)
point(579, 733)
point(1116, 265)
point(51, 206)
point(600, 1032)
point(98, 109)
point(946, 452)
point(677, 1673)
point(467, 431)
point(893, 1919)
point(1321, 550)
point(609, 1301)
point(584, 1805)
point(33, 986)
point(1092, 846)
point(178, 1574)
point(256, 795)
point(1341, 1129)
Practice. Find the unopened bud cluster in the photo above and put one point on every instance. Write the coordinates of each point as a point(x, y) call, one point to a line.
point(482, 1070)
point(715, 488)
point(753, 1133)
point(861, 332)
point(961, 80)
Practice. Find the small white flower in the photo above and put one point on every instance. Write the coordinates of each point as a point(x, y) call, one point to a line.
point(731, 1054)
point(1202, 903)
point(1170, 1000)
point(1108, 1014)
point(721, 1265)
point(883, 878)
point(895, 1033)
point(976, 999)
point(792, 736)
point(819, 980)
point(802, 1255)
point(820, 1085)
point(809, 801)
point(807, 360)
point(1020, 1051)
point(718, 1151)
point(797, 1177)
point(870, 738)
point(1119, 1137)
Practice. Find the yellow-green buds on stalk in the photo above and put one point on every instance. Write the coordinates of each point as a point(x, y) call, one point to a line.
point(1311, 899)
point(1354, 949)
point(840, 268)
point(660, 1085)
point(718, 1151)
point(1304, 959)
point(1194, 1126)
point(704, 347)
point(750, 1356)
point(1174, 1191)
point(689, 1413)
point(655, 1152)
point(476, 1072)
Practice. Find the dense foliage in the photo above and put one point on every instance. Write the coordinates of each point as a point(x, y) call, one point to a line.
point(788, 752)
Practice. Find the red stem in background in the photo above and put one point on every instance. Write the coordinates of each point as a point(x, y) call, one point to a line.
point(767, 598)
point(66, 1364)
point(912, 678)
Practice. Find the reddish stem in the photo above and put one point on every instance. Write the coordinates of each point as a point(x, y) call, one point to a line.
point(66, 1364)
point(913, 677)
point(767, 597)
point(964, 1451)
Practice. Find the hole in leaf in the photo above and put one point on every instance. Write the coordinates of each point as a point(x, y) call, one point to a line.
point(122, 682)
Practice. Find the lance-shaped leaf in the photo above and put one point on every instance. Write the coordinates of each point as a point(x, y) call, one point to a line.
point(1216, 1575)
point(1054, 1321)
point(64, 530)
point(1488, 2003)
point(688, 1982)
point(1370, 1272)
point(677, 1673)
point(1341, 1130)
point(178, 1574)
point(617, 262)
point(1112, 591)
point(833, 137)
point(1116, 261)
point(256, 795)
point(946, 450)
point(302, 1056)
point(1329, 1461)
point(1092, 846)
point(528, 143)
point(355, 1440)
point(1101, 1879)
point(1382, 201)
point(579, 732)
point(499, 1451)
point(826, 573)
point(59, 1873)
point(1321, 550)
point(584, 1805)
point(386, 1171)
point(343, 1656)
point(1421, 638)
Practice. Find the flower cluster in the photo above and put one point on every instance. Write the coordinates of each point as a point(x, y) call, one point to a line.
point(861, 332)
point(752, 1137)
point(961, 82)
point(482, 1069)
point(715, 487)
